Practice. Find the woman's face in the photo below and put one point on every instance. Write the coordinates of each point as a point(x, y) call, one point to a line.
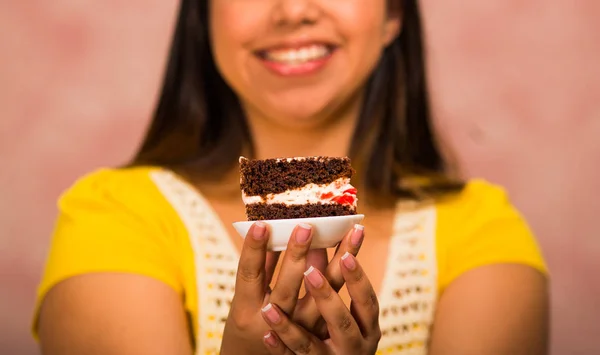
point(299, 61)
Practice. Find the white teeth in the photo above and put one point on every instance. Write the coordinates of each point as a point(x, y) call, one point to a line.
point(300, 55)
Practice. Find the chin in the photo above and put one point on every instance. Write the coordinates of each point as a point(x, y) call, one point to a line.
point(305, 113)
point(305, 118)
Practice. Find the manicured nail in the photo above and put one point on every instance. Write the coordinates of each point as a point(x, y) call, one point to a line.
point(349, 261)
point(313, 277)
point(270, 340)
point(271, 314)
point(259, 231)
point(357, 235)
point(303, 233)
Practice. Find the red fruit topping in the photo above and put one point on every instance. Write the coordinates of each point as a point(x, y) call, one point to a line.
point(351, 191)
point(326, 196)
point(344, 199)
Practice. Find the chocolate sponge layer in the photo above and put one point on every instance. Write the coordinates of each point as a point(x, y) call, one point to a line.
point(263, 211)
point(272, 176)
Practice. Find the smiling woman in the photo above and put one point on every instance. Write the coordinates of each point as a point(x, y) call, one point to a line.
point(143, 260)
point(242, 94)
point(340, 43)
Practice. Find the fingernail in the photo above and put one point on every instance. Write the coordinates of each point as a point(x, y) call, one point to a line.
point(270, 340)
point(349, 261)
point(259, 230)
point(271, 314)
point(303, 233)
point(313, 277)
point(357, 235)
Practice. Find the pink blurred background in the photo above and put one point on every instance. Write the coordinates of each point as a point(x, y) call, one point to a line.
point(515, 89)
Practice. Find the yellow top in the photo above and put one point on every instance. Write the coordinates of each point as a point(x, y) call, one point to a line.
point(120, 220)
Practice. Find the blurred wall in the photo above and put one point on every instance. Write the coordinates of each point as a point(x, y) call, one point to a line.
point(516, 92)
point(77, 85)
point(515, 89)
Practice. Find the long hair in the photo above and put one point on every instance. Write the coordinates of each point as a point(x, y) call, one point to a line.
point(199, 127)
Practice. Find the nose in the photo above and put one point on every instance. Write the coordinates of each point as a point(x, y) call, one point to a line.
point(295, 12)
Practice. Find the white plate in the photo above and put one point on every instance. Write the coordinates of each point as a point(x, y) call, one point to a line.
point(328, 231)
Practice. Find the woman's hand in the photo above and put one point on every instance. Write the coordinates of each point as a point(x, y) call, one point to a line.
point(354, 331)
point(245, 327)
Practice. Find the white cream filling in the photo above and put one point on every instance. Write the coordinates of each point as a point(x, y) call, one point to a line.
point(310, 193)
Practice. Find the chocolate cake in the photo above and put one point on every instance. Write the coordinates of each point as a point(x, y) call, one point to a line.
point(297, 188)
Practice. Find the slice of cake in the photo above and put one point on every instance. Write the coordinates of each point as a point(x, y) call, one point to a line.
point(297, 188)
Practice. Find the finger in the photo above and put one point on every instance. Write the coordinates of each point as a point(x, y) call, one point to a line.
point(308, 315)
point(249, 285)
point(350, 244)
point(294, 337)
point(274, 344)
point(365, 306)
point(341, 325)
point(311, 318)
point(318, 259)
point(286, 289)
point(271, 264)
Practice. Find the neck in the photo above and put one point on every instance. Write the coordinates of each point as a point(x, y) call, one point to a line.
point(333, 140)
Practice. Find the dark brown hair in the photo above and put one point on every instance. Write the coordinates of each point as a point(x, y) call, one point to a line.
point(199, 127)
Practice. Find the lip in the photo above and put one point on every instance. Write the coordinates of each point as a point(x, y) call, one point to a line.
point(298, 69)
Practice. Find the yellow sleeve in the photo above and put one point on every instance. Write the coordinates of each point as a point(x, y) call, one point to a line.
point(481, 227)
point(107, 222)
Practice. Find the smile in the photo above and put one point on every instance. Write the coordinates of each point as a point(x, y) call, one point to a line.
point(297, 55)
point(296, 61)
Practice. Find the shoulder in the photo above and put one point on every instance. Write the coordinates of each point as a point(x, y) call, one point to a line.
point(480, 226)
point(116, 191)
point(115, 220)
point(116, 211)
point(479, 204)
point(111, 184)
point(476, 195)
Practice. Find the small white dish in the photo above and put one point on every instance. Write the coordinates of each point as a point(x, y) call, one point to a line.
point(327, 231)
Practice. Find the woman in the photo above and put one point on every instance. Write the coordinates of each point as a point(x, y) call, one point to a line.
point(144, 259)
